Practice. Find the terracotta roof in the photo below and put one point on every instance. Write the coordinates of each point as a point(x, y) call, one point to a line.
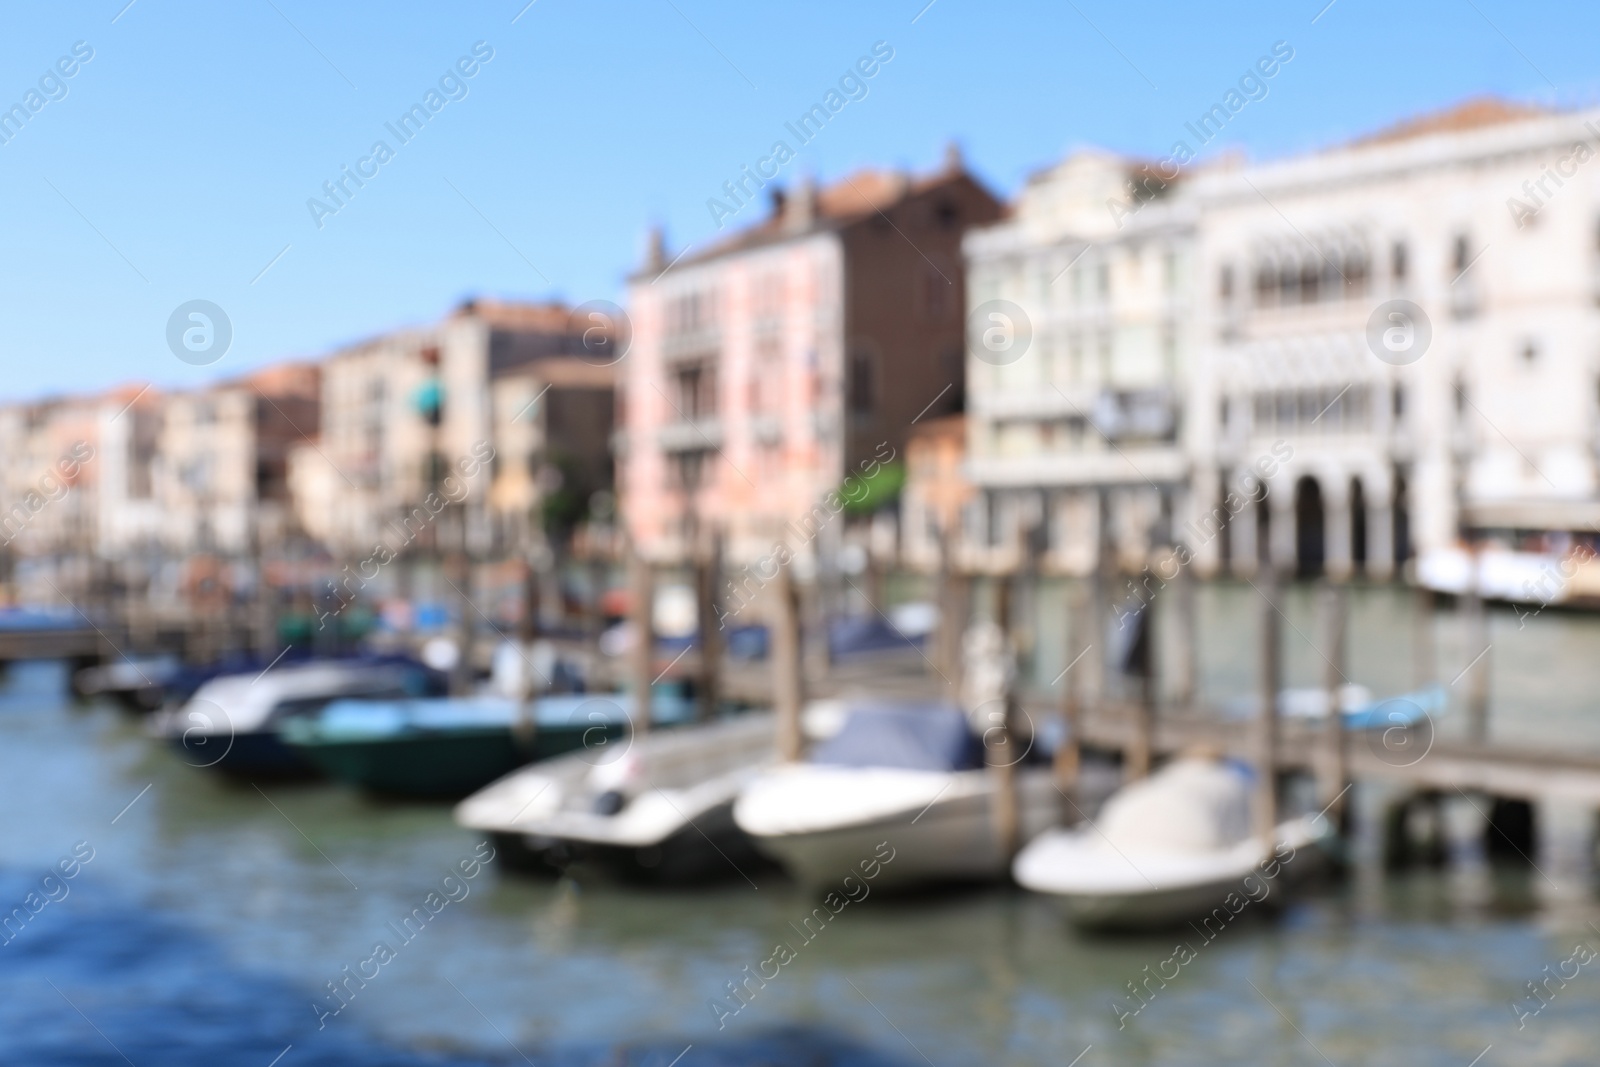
point(1470, 114)
point(131, 392)
point(284, 379)
point(847, 200)
point(548, 317)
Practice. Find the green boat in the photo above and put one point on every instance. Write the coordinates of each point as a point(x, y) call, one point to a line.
point(452, 746)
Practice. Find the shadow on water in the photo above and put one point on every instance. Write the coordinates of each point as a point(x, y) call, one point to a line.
point(95, 980)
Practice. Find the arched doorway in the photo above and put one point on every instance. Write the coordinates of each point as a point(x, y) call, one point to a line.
point(1308, 528)
point(1358, 525)
point(1402, 518)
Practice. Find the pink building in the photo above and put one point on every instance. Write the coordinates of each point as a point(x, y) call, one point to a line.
point(771, 366)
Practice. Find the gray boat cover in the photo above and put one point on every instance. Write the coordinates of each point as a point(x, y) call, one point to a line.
point(919, 737)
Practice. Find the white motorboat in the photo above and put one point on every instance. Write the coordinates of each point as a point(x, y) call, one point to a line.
point(231, 723)
point(912, 776)
point(657, 804)
point(1171, 848)
point(136, 682)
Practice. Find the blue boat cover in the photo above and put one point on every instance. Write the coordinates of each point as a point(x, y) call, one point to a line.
point(858, 635)
point(918, 737)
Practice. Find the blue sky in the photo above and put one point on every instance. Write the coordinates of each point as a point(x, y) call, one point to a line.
point(180, 161)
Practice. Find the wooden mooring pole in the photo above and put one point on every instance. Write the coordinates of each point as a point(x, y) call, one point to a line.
point(999, 740)
point(1186, 669)
point(708, 573)
point(1333, 766)
point(1423, 661)
point(952, 596)
point(642, 592)
point(1475, 646)
point(788, 696)
point(1266, 740)
point(1074, 693)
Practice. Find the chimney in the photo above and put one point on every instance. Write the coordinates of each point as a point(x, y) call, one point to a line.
point(655, 251)
point(953, 163)
point(800, 209)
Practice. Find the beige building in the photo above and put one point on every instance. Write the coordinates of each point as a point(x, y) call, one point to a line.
point(937, 493)
point(50, 476)
point(409, 412)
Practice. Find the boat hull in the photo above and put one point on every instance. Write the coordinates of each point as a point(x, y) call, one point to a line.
point(1158, 909)
point(950, 840)
point(251, 754)
point(712, 849)
point(440, 764)
point(1099, 889)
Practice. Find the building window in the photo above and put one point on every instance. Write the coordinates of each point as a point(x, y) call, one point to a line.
point(862, 400)
point(696, 389)
point(1397, 262)
point(689, 468)
point(1461, 259)
point(1355, 274)
point(1266, 284)
point(1289, 283)
point(1224, 282)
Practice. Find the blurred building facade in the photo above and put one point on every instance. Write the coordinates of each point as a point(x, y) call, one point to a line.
point(409, 413)
point(768, 368)
point(1080, 356)
point(220, 475)
point(937, 494)
point(1214, 360)
point(1474, 415)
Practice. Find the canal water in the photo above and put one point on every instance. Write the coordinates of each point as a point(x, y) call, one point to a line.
point(210, 918)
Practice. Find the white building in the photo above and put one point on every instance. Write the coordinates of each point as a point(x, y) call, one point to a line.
point(1079, 351)
point(1471, 414)
point(1230, 356)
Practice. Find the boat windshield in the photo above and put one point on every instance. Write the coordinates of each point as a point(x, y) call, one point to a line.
point(919, 737)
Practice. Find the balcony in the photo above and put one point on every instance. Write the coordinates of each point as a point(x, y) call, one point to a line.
point(767, 429)
point(701, 344)
point(690, 435)
point(1137, 414)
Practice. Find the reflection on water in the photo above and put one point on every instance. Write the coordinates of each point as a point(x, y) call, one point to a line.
point(212, 918)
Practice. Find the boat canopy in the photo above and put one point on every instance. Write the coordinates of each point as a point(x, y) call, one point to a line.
point(1190, 805)
point(918, 737)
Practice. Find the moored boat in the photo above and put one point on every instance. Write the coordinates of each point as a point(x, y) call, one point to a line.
point(659, 806)
point(138, 683)
point(912, 775)
point(232, 723)
point(451, 746)
point(1169, 849)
